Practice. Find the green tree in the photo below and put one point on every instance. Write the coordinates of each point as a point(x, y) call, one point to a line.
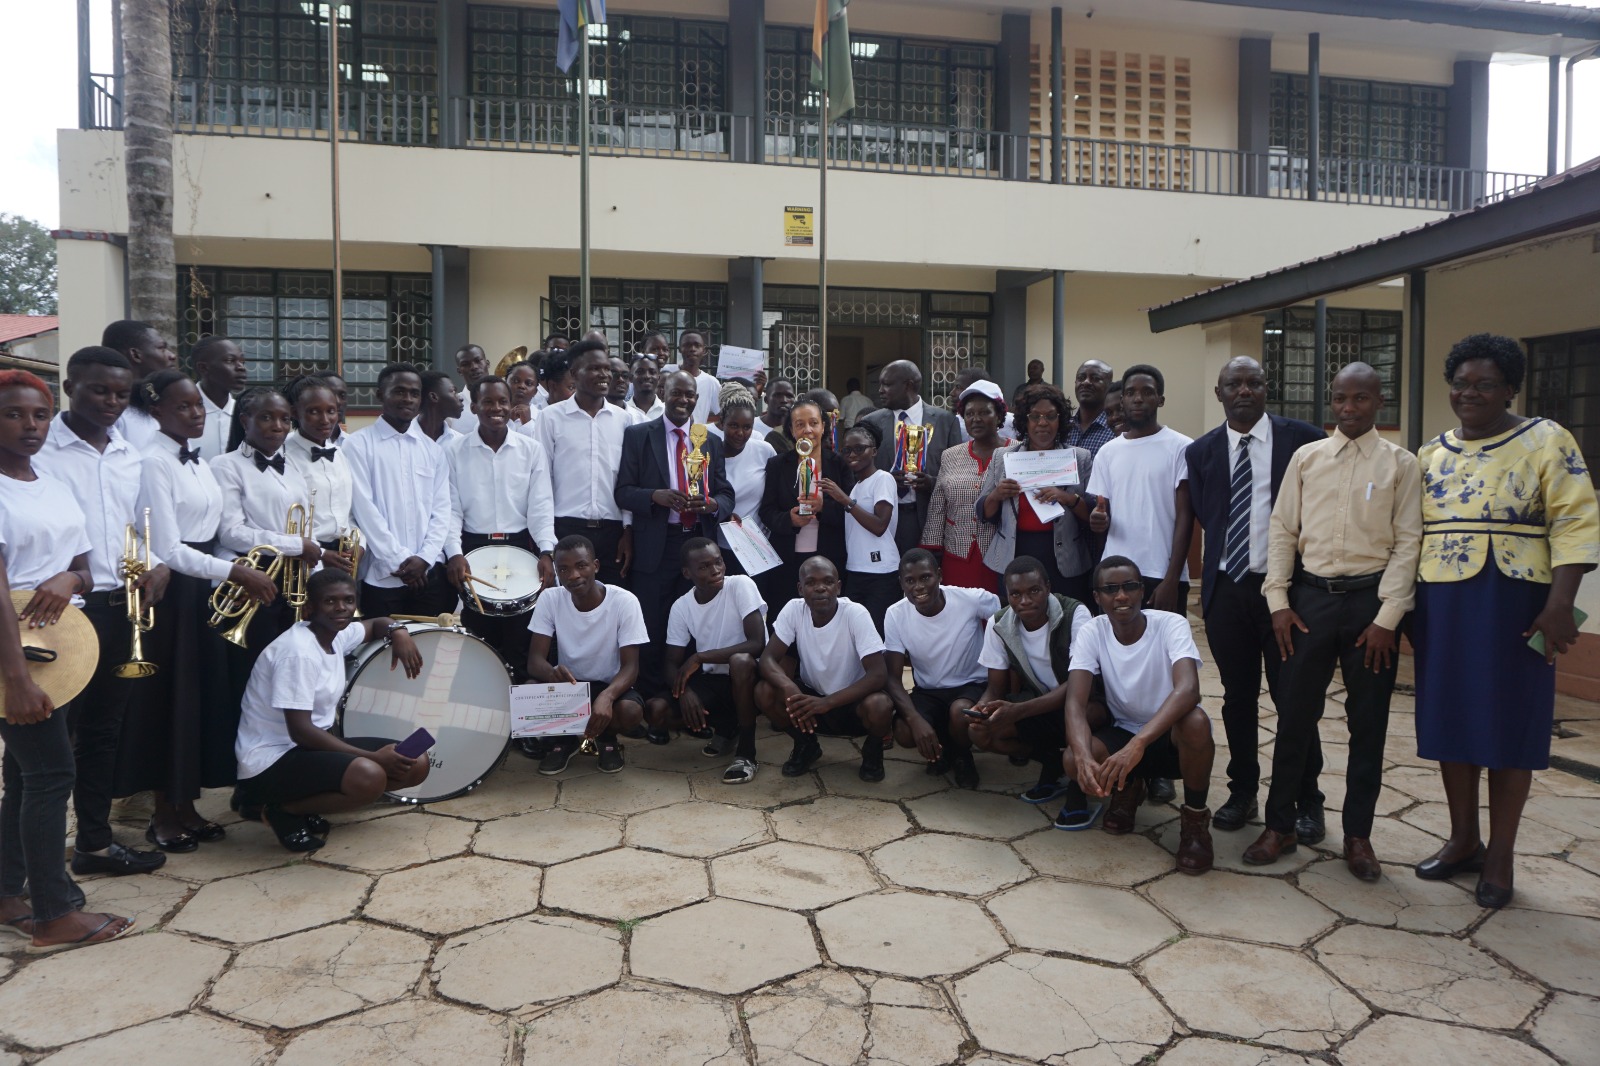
point(27, 267)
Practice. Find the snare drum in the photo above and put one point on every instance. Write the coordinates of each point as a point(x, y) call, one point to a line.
point(516, 572)
point(462, 697)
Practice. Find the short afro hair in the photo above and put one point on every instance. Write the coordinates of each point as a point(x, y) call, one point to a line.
point(1503, 352)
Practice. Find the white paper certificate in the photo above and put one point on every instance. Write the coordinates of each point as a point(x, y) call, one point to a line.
point(1038, 470)
point(742, 363)
point(544, 709)
point(751, 547)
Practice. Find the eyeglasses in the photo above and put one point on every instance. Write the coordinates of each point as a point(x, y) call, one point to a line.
point(1044, 416)
point(1482, 388)
point(854, 449)
point(1129, 587)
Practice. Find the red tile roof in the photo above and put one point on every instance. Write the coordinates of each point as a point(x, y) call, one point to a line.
point(18, 327)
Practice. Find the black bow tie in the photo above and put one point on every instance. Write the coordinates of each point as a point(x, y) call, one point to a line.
point(323, 453)
point(262, 462)
point(187, 456)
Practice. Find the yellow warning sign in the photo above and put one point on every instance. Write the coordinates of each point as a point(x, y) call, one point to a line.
point(797, 228)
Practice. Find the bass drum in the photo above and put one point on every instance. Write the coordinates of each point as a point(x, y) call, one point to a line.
point(462, 697)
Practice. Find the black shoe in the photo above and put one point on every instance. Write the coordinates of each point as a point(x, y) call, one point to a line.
point(1160, 790)
point(717, 746)
point(209, 833)
point(1491, 896)
point(529, 747)
point(964, 770)
point(1018, 760)
point(1235, 813)
point(803, 756)
point(118, 861)
point(250, 812)
point(871, 759)
point(658, 737)
point(1436, 869)
point(611, 757)
point(557, 755)
point(178, 845)
point(1077, 812)
point(939, 767)
point(1311, 826)
point(638, 732)
point(291, 829)
point(318, 824)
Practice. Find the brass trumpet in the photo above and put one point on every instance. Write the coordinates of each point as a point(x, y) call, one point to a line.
point(350, 548)
point(230, 601)
point(296, 570)
point(142, 618)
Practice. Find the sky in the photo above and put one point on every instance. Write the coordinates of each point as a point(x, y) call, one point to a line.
point(39, 85)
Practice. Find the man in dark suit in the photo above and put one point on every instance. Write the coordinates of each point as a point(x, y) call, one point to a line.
point(1234, 474)
point(652, 485)
point(900, 400)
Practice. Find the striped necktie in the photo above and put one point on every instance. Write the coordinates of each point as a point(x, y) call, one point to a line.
point(1236, 546)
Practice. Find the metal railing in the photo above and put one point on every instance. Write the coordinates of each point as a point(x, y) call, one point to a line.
point(854, 145)
point(380, 116)
point(514, 124)
point(104, 104)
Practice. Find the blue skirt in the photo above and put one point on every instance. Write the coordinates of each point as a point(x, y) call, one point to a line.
point(1483, 696)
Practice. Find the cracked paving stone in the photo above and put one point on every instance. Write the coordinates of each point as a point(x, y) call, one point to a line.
point(1394, 1039)
point(632, 1026)
point(1263, 909)
point(1533, 838)
point(250, 847)
point(1546, 884)
point(978, 814)
point(500, 795)
point(1428, 977)
point(909, 934)
point(722, 945)
point(319, 974)
point(794, 876)
point(635, 789)
point(1254, 993)
point(769, 789)
point(697, 830)
point(1399, 899)
point(910, 1036)
point(190, 1040)
point(548, 837)
point(1393, 841)
point(816, 1018)
point(625, 883)
point(1586, 855)
point(895, 992)
point(1045, 1009)
point(1204, 1051)
point(1561, 950)
point(940, 862)
point(530, 960)
point(64, 998)
point(145, 899)
point(1333, 790)
point(413, 1032)
point(394, 843)
point(1576, 815)
point(447, 897)
point(1095, 857)
point(1229, 848)
point(1124, 924)
point(842, 822)
point(901, 780)
point(1569, 1027)
point(270, 903)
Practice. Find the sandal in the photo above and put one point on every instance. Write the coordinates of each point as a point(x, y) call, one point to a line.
point(93, 936)
point(15, 925)
point(739, 772)
point(178, 845)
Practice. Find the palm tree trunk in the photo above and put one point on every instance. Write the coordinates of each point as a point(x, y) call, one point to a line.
point(147, 140)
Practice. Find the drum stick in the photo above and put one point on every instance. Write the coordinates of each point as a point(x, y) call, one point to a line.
point(480, 581)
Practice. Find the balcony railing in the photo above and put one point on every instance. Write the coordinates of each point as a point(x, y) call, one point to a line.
point(902, 149)
point(381, 116)
point(515, 124)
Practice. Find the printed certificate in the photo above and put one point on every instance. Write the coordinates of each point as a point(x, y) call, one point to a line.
point(549, 709)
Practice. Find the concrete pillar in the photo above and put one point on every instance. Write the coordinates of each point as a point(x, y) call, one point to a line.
point(744, 301)
point(1466, 128)
point(91, 280)
point(454, 64)
point(1255, 111)
point(1008, 329)
point(747, 79)
point(451, 283)
point(1013, 93)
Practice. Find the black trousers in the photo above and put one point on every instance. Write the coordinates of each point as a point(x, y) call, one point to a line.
point(1239, 630)
point(1335, 621)
point(436, 597)
point(658, 590)
point(95, 719)
point(907, 530)
point(605, 535)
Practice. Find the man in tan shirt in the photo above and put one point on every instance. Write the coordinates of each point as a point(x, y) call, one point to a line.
point(1341, 565)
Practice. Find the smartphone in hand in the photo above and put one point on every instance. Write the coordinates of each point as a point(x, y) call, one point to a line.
point(415, 744)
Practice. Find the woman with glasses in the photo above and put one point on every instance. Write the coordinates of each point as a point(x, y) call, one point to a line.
point(1510, 526)
point(1049, 524)
point(952, 527)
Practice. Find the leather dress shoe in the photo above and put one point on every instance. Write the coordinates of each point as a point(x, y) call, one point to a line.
point(1491, 896)
point(1268, 846)
point(1359, 857)
point(118, 861)
point(1159, 790)
point(1195, 855)
point(1235, 813)
point(1123, 807)
point(1437, 869)
point(1311, 826)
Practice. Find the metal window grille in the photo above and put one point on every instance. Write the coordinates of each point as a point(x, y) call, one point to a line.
point(900, 80)
point(627, 310)
point(1288, 352)
point(1390, 121)
point(1564, 385)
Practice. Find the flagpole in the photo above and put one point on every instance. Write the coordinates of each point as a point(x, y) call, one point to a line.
point(336, 326)
point(822, 233)
point(583, 182)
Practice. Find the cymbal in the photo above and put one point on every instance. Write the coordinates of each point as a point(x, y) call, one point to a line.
point(77, 649)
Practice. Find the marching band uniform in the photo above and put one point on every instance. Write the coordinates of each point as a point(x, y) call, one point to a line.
point(402, 506)
point(326, 472)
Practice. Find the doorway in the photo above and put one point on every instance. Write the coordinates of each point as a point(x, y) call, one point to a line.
point(861, 352)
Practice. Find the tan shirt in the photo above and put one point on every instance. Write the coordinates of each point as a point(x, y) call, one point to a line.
point(1349, 508)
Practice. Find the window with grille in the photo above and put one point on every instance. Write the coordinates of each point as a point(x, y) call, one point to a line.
point(1288, 352)
point(1564, 384)
point(626, 311)
point(899, 80)
point(1387, 121)
point(282, 319)
point(967, 312)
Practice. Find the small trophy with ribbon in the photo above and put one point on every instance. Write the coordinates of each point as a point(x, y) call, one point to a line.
point(807, 476)
point(911, 442)
point(833, 430)
point(694, 464)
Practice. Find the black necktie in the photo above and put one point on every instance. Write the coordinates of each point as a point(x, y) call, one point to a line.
point(1236, 544)
point(262, 462)
point(323, 453)
point(187, 456)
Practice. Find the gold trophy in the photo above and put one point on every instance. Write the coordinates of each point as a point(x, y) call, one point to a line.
point(916, 442)
point(694, 464)
point(806, 475)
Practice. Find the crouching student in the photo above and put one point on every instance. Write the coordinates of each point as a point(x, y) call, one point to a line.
point(841, 675)
point(292, 770)
point(714, 687)
point(598, 630)
point(1151, 669)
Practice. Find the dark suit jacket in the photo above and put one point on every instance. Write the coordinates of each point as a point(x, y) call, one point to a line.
point(1211, 483)
point(646, 468)
point(780, 497)
point(946, 434)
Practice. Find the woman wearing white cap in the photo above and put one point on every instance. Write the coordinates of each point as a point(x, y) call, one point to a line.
point(953, 527)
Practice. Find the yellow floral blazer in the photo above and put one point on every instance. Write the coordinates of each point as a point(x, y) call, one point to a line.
point(1524, 496)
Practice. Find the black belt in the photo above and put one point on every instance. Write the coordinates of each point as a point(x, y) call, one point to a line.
point(108, 598)
point(1340, 585)
point(593, 523)
point(204, 547)
point(328, 545)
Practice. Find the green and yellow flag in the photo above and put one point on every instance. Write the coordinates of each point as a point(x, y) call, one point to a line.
point(830, 52)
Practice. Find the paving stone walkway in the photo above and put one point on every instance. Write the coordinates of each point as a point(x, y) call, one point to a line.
point(658, 917)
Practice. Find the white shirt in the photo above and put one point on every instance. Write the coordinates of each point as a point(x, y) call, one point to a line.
point(747, 473)
point(214, 441)
point(503, 491)
point(759, 430)
point(293, 674)
point(541, 398)
point(42, 529)
point(138, 428)
point(589, 643)
point(865, 553)
point(646, 414)
point(1035, 644)
point(942, 649)
point(708, 392)
point(401, 501)
point(185, 504)
point(1140, 476)
point(526, 428)
point(913, 417)
point(106, 486)
point(670, 439)
point(1260, 436)
point(830, 656)
point(330, 480)
point(1137, 676)
point(718, 623)
point(851, 406)
point(585, 454)
point(255, 505)
point(467, 422)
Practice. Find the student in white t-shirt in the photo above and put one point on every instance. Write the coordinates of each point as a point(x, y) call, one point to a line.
point(598, 630)
point(939, 630)
point(691, 350)
point(292, 770)
point(725, 618)
point(872, 514)
point(834, 682)
point(1151, 670)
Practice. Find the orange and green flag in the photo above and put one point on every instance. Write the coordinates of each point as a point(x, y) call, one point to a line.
point(830, 52)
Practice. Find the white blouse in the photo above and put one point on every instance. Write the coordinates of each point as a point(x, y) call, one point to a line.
point(255, 504)
point(329, 479)
point(747, 471)
point(185, 504)
point(42, 529)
